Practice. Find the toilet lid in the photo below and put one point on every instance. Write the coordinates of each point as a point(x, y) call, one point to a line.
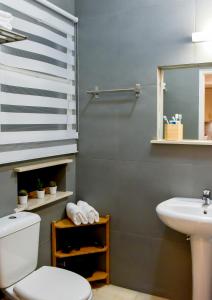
point(50, 283)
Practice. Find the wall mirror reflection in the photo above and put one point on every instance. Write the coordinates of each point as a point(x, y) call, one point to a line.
point(185, 103)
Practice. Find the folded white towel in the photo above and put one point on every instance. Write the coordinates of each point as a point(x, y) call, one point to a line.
point(90, 212)
point(5, 15)
point(76, 214)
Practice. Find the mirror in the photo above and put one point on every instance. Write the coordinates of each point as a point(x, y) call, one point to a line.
point(185, 100)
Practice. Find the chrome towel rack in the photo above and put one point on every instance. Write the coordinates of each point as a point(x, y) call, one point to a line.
point(96, 92)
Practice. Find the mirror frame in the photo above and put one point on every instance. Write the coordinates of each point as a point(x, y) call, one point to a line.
point(160, 104)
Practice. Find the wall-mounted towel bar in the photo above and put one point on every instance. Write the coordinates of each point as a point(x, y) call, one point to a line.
point(95, 93)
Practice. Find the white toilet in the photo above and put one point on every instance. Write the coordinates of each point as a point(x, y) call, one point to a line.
point(19, 240)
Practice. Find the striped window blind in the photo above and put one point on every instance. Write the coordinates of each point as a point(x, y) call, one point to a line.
point(38, 84)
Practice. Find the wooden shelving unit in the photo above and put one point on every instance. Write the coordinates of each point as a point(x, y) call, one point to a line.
point(58, 228)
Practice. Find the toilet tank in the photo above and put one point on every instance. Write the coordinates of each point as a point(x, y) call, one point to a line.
point(19, 241)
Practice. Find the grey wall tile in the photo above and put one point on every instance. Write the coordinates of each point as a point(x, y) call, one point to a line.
point(8, 190)
point(142, 186)
point(101, 120)
point(149, 37)
point(44, 255)
point(68, 5)
point(70, 177)
point(138, 50)
point(164, 266)
point(98, 185)
point(137, 125)
point(121, 43)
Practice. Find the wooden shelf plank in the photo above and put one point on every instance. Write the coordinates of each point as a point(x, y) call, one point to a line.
point(98, 275)
point(43, 165)
point(35, 203)
point(66, 223)
point(183, 142)
point(82, 251)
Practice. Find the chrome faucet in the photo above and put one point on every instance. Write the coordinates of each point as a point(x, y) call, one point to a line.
point(206, 197)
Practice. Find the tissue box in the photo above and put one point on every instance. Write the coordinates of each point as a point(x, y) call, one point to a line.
point(173, 132)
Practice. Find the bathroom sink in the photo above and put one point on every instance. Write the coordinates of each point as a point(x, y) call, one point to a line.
point(189, 216)
point(186, 215)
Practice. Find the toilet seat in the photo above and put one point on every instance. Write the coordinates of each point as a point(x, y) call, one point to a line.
point(50, 283)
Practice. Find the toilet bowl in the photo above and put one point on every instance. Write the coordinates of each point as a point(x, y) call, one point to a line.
point(19, 239)
point(50, 283)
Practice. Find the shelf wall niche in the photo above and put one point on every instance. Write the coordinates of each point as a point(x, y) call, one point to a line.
point(27, 177)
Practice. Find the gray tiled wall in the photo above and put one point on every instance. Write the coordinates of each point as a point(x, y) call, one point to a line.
point(68, 5)
point(121, 43)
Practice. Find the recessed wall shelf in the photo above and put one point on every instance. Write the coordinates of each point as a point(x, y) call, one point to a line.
point(36, 203)
point(43, 165)
point(7, 36)
point(183, 142)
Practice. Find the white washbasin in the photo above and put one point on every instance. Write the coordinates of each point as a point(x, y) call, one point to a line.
point(186, 215)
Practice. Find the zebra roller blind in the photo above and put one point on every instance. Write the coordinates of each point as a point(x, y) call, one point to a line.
point(38, 84)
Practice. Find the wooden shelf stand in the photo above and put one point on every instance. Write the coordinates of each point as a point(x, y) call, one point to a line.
point(57, 254)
